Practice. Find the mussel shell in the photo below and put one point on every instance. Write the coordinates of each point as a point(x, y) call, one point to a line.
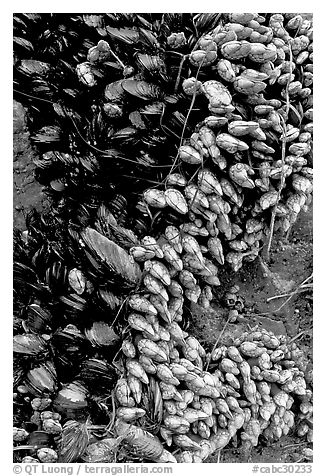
point(148, 38)
point(74, 441)
point(153, 64)
point(42, 380)
point(127, 134)
point(56, 277)
point(38, 318)
point(69, 340)
point(100, 451)
point(18, 372)
point(42, 88)
point(141, 89)
point(58, 185)
point(29, 344)
point(24, 276)
point(109, 299)
point(72, 396)
point(73, 303)
point(206, 21)
point(48, 134)
point(97, 375)
point(23, 44)
point(126, 35)
point(33, 67)
point(101, 334)
point(155, 108)
point(117, 261)
point(19, 24)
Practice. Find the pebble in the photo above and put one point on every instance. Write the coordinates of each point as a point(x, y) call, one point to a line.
point(22, 389)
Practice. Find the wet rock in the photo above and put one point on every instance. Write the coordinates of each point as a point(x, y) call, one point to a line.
point(19, 117)
point(275, 326)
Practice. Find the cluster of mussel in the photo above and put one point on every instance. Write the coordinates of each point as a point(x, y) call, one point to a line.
point(234, 99)
point(101, 358)
point(162, 392)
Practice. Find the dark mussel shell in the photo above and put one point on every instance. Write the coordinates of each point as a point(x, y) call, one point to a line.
point(81, 217)
point(42, 88)
point(18, 372)
point(32, 18)
point(33, 67)
point(69, 340)
point(154, 64)
point(116, 259)
point(155, 401)
point(74, 441)
point(42, 380)
point(206, 21)
point(154, 139)
point(127, 135)
point(141, 20)
point(116, 205)
point(148, 38)
point(48, 135)
point(71, 401)
point(155, 108)
point(142, 89)
point(52, 44)
point(140, 225)
point(73, 303)
point(23, 44)
point(56, 277)
point(17, 324)
point(97, 375)
point(102, 451)
point(109, 299)
point(145, 159)
point(29, 345)
point(90, 163)
point(101, 334)
point(38, 318)
point(58, 185)
point(62, 159)
point(19, 25)
point(24, 276)
point(126, 35)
